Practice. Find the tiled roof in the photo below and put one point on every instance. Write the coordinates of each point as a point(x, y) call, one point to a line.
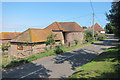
point(97, 27)
point(34, 35)
point(65, 26)
point(8, 35)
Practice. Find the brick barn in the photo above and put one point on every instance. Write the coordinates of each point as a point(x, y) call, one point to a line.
point(69, 30)
point(30, 42)
point(5, 37)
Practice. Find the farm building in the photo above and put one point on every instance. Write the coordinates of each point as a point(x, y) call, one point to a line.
point(5, 37)
point(98, 29)
point(30, 42)
point(70, 30)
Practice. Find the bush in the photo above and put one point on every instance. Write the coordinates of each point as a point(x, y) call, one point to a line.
point(88, 36)
point(119, 40)
point(58, 50)
point(69, 44)
point(101, 37)
point(92, 42)
point(76, 42)
point(5, 48)
point(31, 58)
point(60, 44)
point(46, 49)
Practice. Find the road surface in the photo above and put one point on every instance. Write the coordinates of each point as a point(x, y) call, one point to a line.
point(60, 66)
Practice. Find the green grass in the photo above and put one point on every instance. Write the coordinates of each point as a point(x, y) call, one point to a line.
point(28, 59)
point(40, 55)
point(105, 65)
point(77, 46)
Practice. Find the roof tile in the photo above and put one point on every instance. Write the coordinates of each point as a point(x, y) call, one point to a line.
point(9, 35)
point(65, 26)
point(97, 27)
point(34, 35)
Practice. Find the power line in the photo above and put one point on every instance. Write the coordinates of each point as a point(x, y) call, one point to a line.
point(98, 19)
point(91, 6)
point(78, 17)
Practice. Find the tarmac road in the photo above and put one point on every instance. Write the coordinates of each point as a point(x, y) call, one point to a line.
point(60, 66)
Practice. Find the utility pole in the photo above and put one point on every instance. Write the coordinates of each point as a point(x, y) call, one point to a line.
point(93, 25)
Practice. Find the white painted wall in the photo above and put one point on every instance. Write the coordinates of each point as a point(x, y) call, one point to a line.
point(102, 32)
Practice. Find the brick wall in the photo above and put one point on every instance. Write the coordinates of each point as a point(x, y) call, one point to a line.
point(60, 35)
point(5, 41)
point(71, 36)
point(27, 49)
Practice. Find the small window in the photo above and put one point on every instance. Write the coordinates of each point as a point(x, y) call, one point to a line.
point(20, 47)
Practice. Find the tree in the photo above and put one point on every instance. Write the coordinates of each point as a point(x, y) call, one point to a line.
point(88, 36)
point(109, 28)
point(50, 41)
point(76, 42)
point(114, 17)
point(84, 27)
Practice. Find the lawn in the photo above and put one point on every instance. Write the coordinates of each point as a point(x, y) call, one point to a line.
point(40, 55)
point(105, 65)
point(77, 46)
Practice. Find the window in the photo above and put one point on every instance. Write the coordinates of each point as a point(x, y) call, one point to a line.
point(20, 46)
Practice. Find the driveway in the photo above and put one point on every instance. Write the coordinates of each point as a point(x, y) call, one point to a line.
point(60, 66)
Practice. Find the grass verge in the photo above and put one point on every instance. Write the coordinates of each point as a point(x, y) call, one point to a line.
point(105, 65)
point(40, 55)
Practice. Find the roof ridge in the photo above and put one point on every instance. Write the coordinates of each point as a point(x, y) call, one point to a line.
point(78, 26)
point(35, 29)
point(66, 22)
point(20, 33)
point(30, 34)
point(58, 25)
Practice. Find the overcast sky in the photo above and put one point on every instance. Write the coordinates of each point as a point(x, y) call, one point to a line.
point(19, 16)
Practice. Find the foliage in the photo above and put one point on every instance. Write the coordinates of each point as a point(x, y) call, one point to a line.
point(28, 59)
point(114, 17)
point(4, 48)
point(77, 46)
point(76, 42)
point(92, 42)
point(40, 55)
point(109, 28)
point(69, 44)
point(88, 36)
point(34, 43)
point(84, 27)
point(101, 37)
point(50, 41)
point(46, 49)
point(61, 44)
point(105, 65)
point(26, 43)
point(58, 50)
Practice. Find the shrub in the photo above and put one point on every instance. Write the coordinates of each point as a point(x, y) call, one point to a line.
point(60, 44)
point(88, 36)
point(50, 40)
point(69, 44)
point(101, 37)
point(4, 48)
point(76, 42)
point(119, 40)
point(92, 42)
point(58, 50)
point(31, 58)
point(46, 49)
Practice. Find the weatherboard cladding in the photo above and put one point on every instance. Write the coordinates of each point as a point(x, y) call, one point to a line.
point(65, 26)
point(34, 35)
